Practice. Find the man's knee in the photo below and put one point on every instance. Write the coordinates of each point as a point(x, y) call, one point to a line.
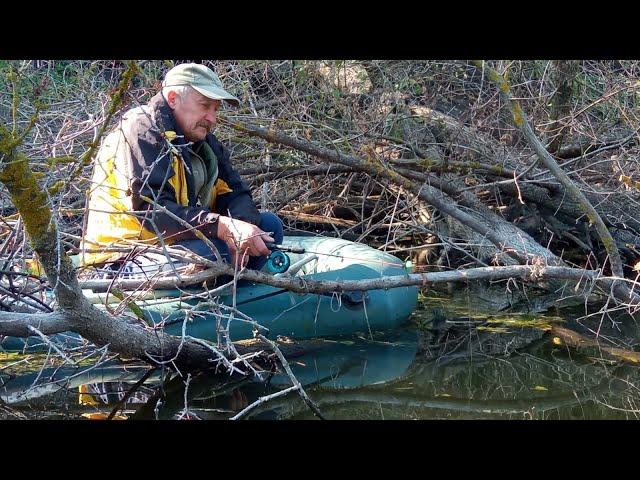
point(270, 222)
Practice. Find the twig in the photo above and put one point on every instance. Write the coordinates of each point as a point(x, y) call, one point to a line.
point(50, 343)
point(262, 400)
point(293, 378)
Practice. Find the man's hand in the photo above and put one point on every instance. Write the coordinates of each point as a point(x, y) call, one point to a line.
point(243, 239)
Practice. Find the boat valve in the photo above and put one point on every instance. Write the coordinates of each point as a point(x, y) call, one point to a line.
point(354, 298)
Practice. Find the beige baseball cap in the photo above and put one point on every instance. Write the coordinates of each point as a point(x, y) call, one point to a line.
point(201, 78)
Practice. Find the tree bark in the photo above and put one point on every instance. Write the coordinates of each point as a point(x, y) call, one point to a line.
point(562, 78)
point(520, 120)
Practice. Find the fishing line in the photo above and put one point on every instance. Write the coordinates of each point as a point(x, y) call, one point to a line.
point(282, 248)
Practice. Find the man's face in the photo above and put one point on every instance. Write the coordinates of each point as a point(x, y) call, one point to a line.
point(195, 114)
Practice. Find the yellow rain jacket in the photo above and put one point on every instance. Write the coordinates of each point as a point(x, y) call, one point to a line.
point(147, 156)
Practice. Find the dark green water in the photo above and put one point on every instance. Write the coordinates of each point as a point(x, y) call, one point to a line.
point(498, 372)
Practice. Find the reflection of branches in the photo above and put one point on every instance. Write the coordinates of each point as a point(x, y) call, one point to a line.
point(130, 392)
point(39, 390)
point(330, 400)
point(296, 385)
point(424, 385)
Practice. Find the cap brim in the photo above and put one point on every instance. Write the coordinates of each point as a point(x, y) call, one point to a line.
point(218, 94)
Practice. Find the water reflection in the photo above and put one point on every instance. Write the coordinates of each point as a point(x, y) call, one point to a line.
point(387, 376)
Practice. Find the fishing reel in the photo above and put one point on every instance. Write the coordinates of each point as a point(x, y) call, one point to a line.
point(278, 262)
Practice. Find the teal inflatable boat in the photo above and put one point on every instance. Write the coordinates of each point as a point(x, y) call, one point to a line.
point(282, 313)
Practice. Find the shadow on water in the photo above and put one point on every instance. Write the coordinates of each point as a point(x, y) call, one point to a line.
point(476, 367)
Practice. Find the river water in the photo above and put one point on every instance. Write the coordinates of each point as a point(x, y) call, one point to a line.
point(499, 370)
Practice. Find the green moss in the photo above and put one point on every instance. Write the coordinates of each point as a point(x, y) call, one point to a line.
point(525, 321)
point(8, 141)
point(493, 329)
point(427, 163)
point(376, 164)
point(55, 188)
point(117, 100)
point(473, 165)
point(28, 197)
point(53, 161)
point(496, 169)
point(608, 243)
point(518, 115)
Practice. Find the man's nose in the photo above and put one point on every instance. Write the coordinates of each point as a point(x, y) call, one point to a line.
point(211, 117)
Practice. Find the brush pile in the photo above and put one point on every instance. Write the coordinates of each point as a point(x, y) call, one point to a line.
point(439, 128)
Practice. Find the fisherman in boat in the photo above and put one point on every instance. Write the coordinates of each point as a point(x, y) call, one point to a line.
point(161, 176)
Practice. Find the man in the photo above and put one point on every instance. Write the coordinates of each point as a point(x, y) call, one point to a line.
point(161, 176)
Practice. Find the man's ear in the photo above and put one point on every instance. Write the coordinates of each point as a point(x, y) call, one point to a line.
point(172, 98)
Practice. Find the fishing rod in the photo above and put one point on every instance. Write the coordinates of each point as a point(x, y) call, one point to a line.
point(279, 262)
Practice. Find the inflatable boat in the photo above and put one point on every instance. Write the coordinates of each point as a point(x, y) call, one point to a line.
point(278, 311)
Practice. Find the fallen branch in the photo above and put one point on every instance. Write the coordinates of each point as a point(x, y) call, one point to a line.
point(534, 273)
point(306, 217)
point(375, 167)
point(261, 400)
point(15, 324)
point(521, 121)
